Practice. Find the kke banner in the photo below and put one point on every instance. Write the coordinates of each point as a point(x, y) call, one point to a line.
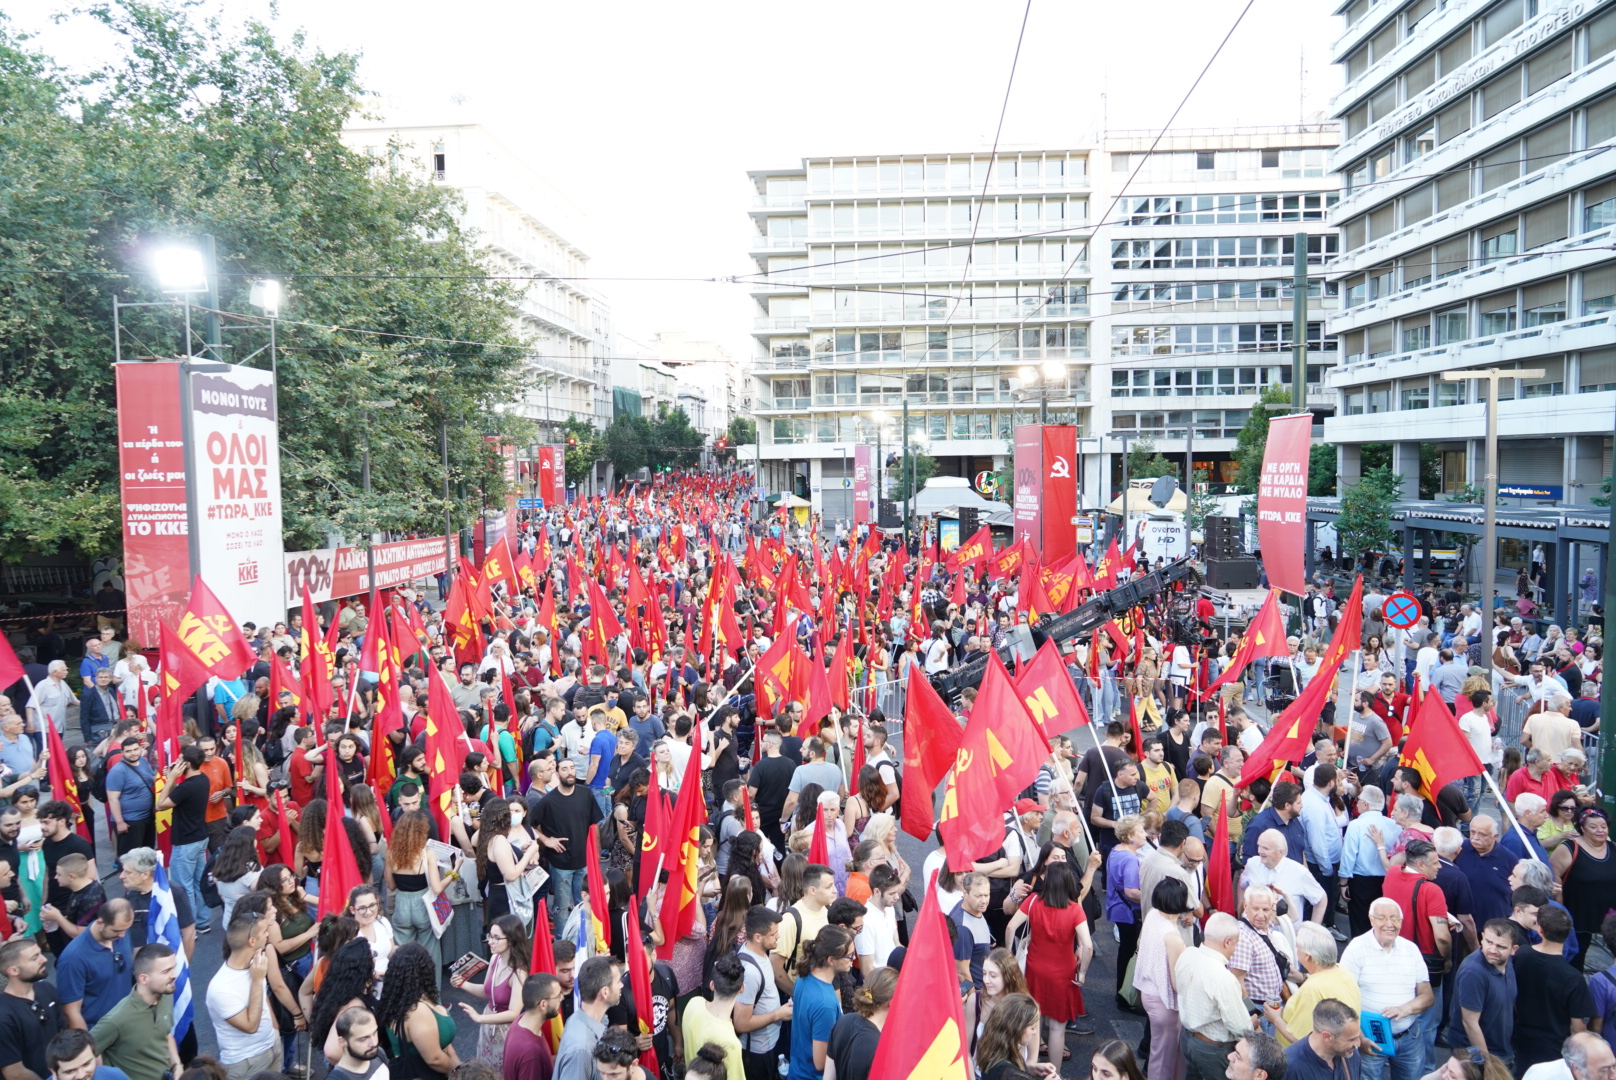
point(1282, 502)
point(333, 573)
point(235, 452)
point(151, 474)
point(1028, 483)
point(863, 495)
point(552, 475)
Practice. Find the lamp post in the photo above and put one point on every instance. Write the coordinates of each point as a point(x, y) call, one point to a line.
point(266, 297)
point(881, 417)
point(364, 473)
point(1126, 438)
point(1489, 489)
point(1044, 375)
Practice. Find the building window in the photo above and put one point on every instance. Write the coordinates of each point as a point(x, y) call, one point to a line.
point(1498, 314)
point(1543, 303)
point(1599, 289)
point(1597, 371)
point(1500, 241)
point(1417, 337)
point(1452, 325)
point(1418, 397)
point(1449, 393)
point(1599, 207)
point(439, 162)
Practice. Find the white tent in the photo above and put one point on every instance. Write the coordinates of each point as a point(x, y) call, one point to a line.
point(943, 493)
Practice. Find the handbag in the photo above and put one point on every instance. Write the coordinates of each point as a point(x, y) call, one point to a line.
point(1128, 993)
point(439, 914)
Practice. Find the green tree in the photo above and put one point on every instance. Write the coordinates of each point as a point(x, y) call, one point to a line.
point(673, 441)
point(1144, 461)
point(1365, 522)
point(194, 128)
point(584, 448)
point(627, 444)
point(742, 431)
point(1202, 505)
point(1603, 498)
point(1249, 445)
point(925, 469)
point(1321, 470)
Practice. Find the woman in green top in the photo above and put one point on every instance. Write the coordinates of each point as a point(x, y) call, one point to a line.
point(420, 1035)
point(292, 912)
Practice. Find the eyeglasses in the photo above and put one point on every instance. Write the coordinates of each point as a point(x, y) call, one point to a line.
point(366, 909)
point(118, 960)
point(38, 1010)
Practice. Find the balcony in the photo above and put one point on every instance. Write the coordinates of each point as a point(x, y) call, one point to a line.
point(778, 243)
point(780, 322)
point(779, 202)
point(1557, 415)
point(1432, 28)
point(1189, 307)
point(949, 312)
point(1525, 344)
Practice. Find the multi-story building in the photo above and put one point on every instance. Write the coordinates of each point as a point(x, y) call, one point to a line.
point(529, 229)
point(971, 297)
point(707, 367)
point(1478, 216)
point(1202, 250)
point(924, 280)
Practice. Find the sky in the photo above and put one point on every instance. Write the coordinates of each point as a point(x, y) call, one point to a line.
point(647, 115)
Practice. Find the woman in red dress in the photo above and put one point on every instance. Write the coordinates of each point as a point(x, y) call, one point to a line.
point(1058, 953)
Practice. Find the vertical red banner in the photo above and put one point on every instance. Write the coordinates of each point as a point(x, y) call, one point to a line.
point(862, 496)
point(1282, 502)
point(547, 475)
point(1029, 483)
point(151, 472)
point(1060, 493)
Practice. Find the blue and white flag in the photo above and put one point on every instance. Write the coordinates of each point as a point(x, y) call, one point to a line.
point(163, 924)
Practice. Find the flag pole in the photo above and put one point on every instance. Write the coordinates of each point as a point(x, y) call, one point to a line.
point(1509, 812)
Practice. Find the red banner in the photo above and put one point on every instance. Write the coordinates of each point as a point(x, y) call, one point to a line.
point(151, 470)
point(334, 573)
point(862, 492)
point(1282, 502)
point(552, 478)
point(1060, 493)
point(1028, 485)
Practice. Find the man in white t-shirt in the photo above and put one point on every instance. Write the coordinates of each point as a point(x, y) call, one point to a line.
point(880, 934)
point(1477, 727)
point(1426, 659)
point(1584, 1056)
point(238, 1002)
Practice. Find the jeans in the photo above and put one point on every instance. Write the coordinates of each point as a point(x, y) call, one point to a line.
point(568, 887)
point(1428, 1024)
point(603, 800)
point(187, 863)
point(1404, 1066)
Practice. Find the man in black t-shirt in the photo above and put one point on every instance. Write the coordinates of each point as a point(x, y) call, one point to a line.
point(565, 817)
point(56, 820)
point(185, 791)
point(723, 739)
point(10, 826)
point(770, 785)
point(29, 1014)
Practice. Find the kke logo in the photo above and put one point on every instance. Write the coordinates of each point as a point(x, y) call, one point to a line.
point(1060, 469)
point(247, 572)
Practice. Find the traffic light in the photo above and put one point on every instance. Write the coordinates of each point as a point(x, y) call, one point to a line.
point(572, 442)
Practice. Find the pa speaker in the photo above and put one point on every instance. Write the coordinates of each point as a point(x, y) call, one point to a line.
point(1232, 573)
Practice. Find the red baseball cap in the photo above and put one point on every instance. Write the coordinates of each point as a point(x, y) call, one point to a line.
point(1027, 806)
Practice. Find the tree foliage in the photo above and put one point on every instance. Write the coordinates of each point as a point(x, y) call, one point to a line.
point(1365, 522)
point(742, 431)
point(198, 128)
point(626, 444)
point(584, 448)
point(925, 468)
point(674, 440)
point(1603, 498)
point(1144, 460)
point(1321, 470)
point(1252, 441)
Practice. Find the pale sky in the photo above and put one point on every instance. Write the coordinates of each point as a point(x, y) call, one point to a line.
point(648, 116)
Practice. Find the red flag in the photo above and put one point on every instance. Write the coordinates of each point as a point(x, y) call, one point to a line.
point(317, 696)
point(283, 827)
point(924, 1037)
point(63, 784)
point(1437, 749)
point(339, 873)
point(815, 695)
point(639, 981)
point(776, 678)
point(748, 815)
point(444, 756)
point(858, 748)
point(598, 897)
point(956, 594)
point(11, 672)
point(999, 755)
point(1046, 690)
point(1105, 571)
point(841, 672)
point(683, 840)
point(525, 573)
point(975, 550)
point(1219, 872)
point(1292, 734)
point(208, 630)
point(1264, 636)
point(931, 738)
point(819, 843)
point(544, 960)
point(281, 678)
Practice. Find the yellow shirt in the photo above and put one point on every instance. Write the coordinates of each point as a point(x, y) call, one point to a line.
point(1332, 982)
point(701, 1027)
point(1161, 786)
point(1211, 795)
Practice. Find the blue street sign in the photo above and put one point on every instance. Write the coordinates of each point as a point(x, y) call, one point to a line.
point(1554, 492)
point(530, 504)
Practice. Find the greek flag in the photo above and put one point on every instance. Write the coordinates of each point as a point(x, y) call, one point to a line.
point(163, 924)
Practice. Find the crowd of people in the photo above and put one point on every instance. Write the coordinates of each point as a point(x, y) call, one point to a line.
point(1369, 927)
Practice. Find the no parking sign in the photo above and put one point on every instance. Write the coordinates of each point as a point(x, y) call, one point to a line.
point(1401, 610)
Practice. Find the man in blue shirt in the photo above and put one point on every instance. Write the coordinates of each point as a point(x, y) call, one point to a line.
point(1485, 862)
point(226, 692)
point(974, 941)
point(602, 748)
point(1362, 870)
point(1483, 1013)
point(1323, 836)
point(1330, 1051)
point(130, 797)
point(94, 660)
point(1532, 810)
point(96, 969)
point(1284, 812)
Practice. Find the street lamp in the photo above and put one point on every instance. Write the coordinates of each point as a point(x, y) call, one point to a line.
point(1047, 374)
point(266, 296)
point(881, 418)
point(1489, 489)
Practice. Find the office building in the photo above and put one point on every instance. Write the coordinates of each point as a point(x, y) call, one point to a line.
point(1477, 218)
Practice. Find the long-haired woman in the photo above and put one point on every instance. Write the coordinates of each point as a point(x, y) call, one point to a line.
point(1009, 1043)
point(365, 905)
point(509, 950)
point(1001, 977)
point(235, 867)
point(309, 853)
point(350, 979)
point(506, 848)
point(1114, 1060)
point(361, 802)
point(411, 870)
point(854, 1039)
point(418, 1031)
